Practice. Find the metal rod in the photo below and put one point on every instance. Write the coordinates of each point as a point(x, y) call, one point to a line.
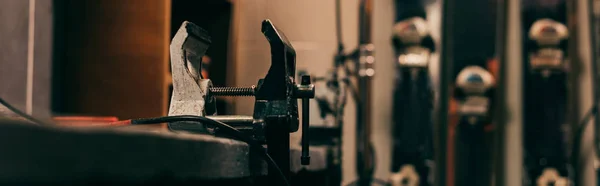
point(243, 123)
point(365, 18)
point(365, 157)
point(594, 60)
point(233, 119)
point(444, 93)
point(305, 158)
point(500, 99)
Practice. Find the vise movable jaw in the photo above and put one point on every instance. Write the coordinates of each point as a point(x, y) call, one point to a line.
point(190, 90)
point(276, 108)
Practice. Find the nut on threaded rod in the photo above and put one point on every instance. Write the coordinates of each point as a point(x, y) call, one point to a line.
point(232, 91)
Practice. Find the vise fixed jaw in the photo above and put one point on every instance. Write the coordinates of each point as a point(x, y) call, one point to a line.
point(275, 93)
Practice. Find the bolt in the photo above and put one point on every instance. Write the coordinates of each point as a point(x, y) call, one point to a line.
point(232, 91)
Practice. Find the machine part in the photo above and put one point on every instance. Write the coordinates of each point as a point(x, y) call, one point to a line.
point(547, 32)
point(443, 106)
point(412, 42)
point(474, 94)
point(413, 99)
point(305, 90)
point(407, 176)
point(276, 99)
point(189, 89)
point(411, 31)
point(545, 93)
point(594, 20)
point(500, 95)
point(551, 176)
point(548, 35)
point(365, 156)
point(275, 110)
point(474, 80)
point(242, 123)
point(232, 91)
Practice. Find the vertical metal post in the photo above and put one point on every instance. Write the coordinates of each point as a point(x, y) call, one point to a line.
point(594, 60)
point(593, 21)
point(446, 60)
point(365, 157)
point(500, 95)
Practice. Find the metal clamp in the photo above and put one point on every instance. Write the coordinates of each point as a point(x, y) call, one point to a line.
point(276, 105)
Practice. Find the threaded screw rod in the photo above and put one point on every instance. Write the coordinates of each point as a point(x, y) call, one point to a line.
point(232, 91)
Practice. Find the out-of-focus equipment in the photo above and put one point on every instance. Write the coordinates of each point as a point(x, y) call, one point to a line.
point(594, 20)
point(546, 152)
point(326, 138)
point(364, 63)
point(412, 157)
point(474, 94)
point(332, 99)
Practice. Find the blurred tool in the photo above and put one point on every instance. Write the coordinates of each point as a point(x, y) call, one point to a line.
point(412, 157)
point(365, 156)
point(545, 97)
point(331, 99)
point(594, 20)
point(327, 138)
point(474, 93)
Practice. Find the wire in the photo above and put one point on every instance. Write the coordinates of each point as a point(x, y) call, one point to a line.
point(338, 26)
point(20, 113)
point(222, 127)
point(580, 130)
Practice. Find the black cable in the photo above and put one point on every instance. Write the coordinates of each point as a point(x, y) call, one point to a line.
point(580, 131)
point(20, 113)
point(222, 127)
point(338, 26)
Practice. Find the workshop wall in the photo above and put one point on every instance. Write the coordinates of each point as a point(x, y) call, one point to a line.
point(111, 58)
point(25, 54)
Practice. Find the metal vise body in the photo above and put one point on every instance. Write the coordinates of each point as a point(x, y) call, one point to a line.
point(275, 110)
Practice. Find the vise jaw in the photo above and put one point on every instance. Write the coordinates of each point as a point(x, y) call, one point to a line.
point(276, 105)
point(275, 98)
point(190, 90)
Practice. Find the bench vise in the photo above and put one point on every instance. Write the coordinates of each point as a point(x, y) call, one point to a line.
point(275, 109)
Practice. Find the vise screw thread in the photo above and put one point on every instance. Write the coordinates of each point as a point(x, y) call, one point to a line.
point(232, 91)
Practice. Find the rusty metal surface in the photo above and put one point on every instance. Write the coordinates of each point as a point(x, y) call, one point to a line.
point(59, 155)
